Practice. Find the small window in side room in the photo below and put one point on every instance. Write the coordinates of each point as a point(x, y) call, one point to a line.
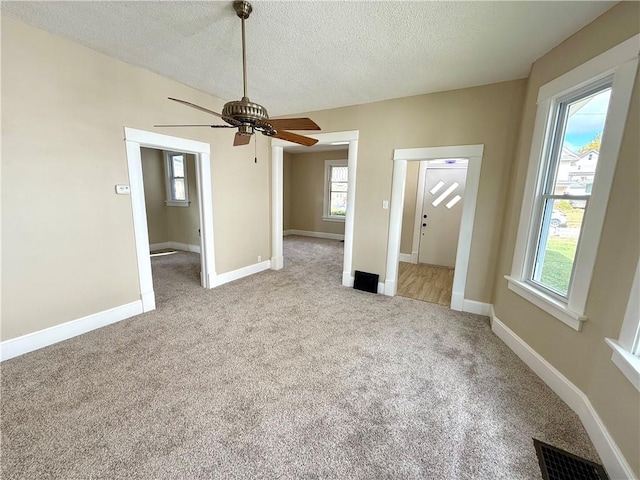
point(335, 197)
point(176, 179)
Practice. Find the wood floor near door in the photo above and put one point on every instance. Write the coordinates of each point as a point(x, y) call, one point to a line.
point(428, 283)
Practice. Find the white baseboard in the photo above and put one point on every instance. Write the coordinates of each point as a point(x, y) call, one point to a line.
point(405, 257)
point(614, 462)
point(148, 301)
point(305, 233)
point(175, 246)
point(286, 233)
point(478, 308)
point(210, 280)
point(158, 246)
point(457, 301)
point(185, 246)
point(390, 288)
point(277, 263)
point(43, 338)
point(348, 280)
point(409, 257)
point(227, 277)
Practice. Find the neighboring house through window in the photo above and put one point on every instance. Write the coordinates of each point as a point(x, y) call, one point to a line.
point(336, 174)
point(175, 167)
point(576, 141)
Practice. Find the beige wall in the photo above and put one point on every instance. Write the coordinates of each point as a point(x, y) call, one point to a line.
point(155, 195)
point(409, 208)
point(583, 357)
point(286, 191)
point(66, 236)
point(169, 224)
point(307, 187)
point(488, 115)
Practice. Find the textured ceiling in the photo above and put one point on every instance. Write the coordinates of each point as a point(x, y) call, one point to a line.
point(305, 56)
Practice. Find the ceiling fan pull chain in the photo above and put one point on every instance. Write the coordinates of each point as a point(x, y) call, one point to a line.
point(255, 144)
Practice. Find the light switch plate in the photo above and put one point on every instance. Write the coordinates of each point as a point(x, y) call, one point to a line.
point(123, 189)
point(385, 204)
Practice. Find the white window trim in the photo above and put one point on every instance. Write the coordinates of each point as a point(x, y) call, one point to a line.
point(327, 181)
point(626, 349)
point(620, 61)
point(168, 169)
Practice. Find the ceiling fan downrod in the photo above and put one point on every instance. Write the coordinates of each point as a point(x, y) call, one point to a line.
point(243, 10)
point(245, 111)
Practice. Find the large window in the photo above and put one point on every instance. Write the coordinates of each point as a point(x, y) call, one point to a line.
point(577, 122)
point(576, 140)
point(176, 179)
point(335, 198)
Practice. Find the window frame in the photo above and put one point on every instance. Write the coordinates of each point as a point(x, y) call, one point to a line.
point(169, 177)
point(620, 64)
point(326, 212)
point(626, 350)
point(549, 166)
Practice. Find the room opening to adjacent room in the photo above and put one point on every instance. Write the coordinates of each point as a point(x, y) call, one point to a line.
point(427, 273)
point(313, 197)
point(173, 215)
point(448, 188)
point(315, 185)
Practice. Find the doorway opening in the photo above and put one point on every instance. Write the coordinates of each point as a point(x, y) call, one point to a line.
point(473, 154)
point(173, 217)
point(326, 141)
point(427, 272)
point(135, 141)
point(315, 187)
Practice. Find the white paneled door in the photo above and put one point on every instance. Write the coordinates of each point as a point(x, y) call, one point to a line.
point(441, 215)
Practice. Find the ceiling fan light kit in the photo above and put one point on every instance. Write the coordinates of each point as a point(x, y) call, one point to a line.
point(249, 117)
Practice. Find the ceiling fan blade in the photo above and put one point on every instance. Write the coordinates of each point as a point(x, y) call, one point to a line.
point(241, 139)
point(295, 138)
point(198, 125)
point(293, 124)
point(202, 109)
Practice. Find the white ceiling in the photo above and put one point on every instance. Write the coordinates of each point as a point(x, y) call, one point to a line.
point(314, 55)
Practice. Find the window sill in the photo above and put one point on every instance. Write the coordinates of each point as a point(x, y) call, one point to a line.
point(628, 363)
point(547, 303)
point(333, 219)
point(177, 204)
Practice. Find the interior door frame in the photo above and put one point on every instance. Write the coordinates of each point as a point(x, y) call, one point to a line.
point(473, 153)
point(134, 140)
point(417, 223)
point(277, 152)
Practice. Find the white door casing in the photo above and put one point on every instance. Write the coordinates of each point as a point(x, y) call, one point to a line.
point(400, 158)
point(134, 139)
point(441, 213)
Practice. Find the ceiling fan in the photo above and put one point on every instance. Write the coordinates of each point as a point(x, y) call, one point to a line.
point(249, 117)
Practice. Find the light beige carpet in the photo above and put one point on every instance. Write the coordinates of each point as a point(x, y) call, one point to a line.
point(280, 375)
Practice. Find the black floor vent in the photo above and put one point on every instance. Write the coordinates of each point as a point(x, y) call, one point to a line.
point(557, 464)
point(367, 282)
